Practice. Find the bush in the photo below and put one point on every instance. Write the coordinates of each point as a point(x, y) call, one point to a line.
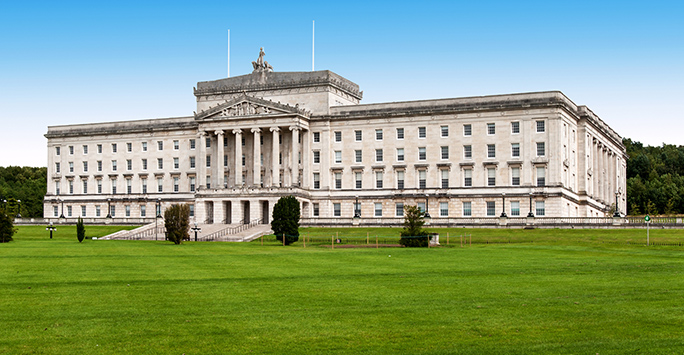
point(177, 223)
point(80, 230)
point(286, 219)
point(413, 234)
point(7, 229)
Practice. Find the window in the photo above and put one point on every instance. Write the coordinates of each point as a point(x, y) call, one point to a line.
point(144, 146)
point(176, 163)
point(113, 147)
point(422, 154)
point(85, 166)
point(57, 190)
point(192, 144)
point(541, 176)
point(358, 156)
point(539, 208)
point(160, 145)
point(491, 150)
point(176, 145)
point(316, 157)
point(338, 180)
point(491, 177)
point(207, 142)
point(400, 133)
point(378, 179)
point(467, 130)
point(444, 209)
point(400, 154)
point(491, 208)
point(129, 187)
point(113, 165)
point(99, 165)
point(515, 127)
point(71, 186)
point(399, 209)
point(143, 210)
point(400, 179)
point(71, 166)
point(112, 211)
point(515, 208)
point(338, 136)
point(85, 149)
point(358, 136)
point(129, 147)
point(358, 179)
point(175, 184)
point(99, 148)
point(378, 134)
point(71, 150)
point(421, 206)
point(378, 209)
point(127, 209)
point(57, 168)
point(445, 152)
point(144, 185)
point(357, 208)
point(422, 179)
point(491, 129)
point(421, 132)
point(515, 150)
point(444, 130)
point(160, 163)
point(467, 177)
point(378, 155)
point(160, 184)
point(192, 162)
point(208, 160)
point(467, 152)
point(244, 160)
point(144, 164)
point(55, 211)
point(97, 211)
point(99, 186)
point(515, 176)
point(338, 156)
point(129, 164)
point(192, 184)
point(69, 211)
point(337, 210)
point(445, 178)
point(541, 149)
point(58, 150)
point(85, 186)
point(113, 186)
point(317, 137)
point(316, 180)
point(316, 210)
point(541, 127)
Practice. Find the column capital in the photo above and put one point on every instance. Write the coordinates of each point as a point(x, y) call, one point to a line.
point(201, 133)
point(237, 131)
point(256, 130)
point(218, 132)
point(295, 128)
point(274, 129)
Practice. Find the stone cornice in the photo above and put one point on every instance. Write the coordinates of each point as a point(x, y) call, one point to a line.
point(122, 127)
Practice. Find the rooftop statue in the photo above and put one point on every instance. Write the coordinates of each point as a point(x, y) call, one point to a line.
point(260, 65)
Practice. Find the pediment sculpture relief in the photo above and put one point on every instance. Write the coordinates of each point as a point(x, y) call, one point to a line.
point(246, 109)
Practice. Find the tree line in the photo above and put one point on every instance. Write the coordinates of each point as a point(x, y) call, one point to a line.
point(25, 184)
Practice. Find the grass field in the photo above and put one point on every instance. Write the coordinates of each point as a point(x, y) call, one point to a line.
point(574, 293)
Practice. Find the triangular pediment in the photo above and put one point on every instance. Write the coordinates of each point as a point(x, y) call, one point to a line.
point(245, 106)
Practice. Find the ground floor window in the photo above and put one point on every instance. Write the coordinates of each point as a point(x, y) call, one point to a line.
point(467, 209)
point(378, 209)
point(315, 210)
point(444, 209)
point(540, 208)
point(337, 210)
point(515, 208)
point(399, 209)
point(491, 208)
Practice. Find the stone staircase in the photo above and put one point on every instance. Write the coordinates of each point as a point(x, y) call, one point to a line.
point(209, 232)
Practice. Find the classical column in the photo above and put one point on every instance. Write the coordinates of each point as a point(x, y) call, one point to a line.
point(201, 160)
point(256, 159)
point(295, 155)
point(275, 154)
point(219, 170)
point(238, 156)
point(306, 161)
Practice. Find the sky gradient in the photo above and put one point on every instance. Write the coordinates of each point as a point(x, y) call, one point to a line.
point(76, 62)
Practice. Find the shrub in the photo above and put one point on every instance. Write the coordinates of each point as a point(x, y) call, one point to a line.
point(177, 222)
point(7, 229)
point(286, 219)
point(413, 234)
point(80, 230)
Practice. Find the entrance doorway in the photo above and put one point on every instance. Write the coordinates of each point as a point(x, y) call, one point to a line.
point(245, 209)
point(227, 207)
point(209, 216)
point(264, 212)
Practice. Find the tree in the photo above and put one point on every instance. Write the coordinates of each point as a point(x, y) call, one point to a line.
point(177, 222)
point(80, 230)
point(286, 219)
point(413, 234)
point(7, 229)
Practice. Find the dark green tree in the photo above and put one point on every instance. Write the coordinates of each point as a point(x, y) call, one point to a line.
point(7, 229)
point(286, 219)
point(177, 223)
point(413, 234)
point(80, 230)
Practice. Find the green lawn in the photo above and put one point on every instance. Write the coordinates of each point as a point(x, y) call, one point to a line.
point(579, 296)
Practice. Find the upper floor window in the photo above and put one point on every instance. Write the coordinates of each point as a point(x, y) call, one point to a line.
point(129, 147)
point(491, 150)
point(515, 127)
point(444, 131)
point(400, 133)
point(144, 146)
point(113, 147)
point(71, 150)
point(467, 152)
point(99, 148)
point(378, 155)
point(445, 152)
point(541, 127)
point(422, 154)
point(316, 157)
point(358, 136)
point(467, 130)
point(192, 144)
point(85, 149)
point(358, 156)
point(541, 149)
point(317, 137)
point(176, 145)
point(491, 128)
point(422, 132)
point(338, 136)
point(338, 156)
point(378, 134)
point(58, 150)
point(515, 150)
point(400, 154)
point(160, 145)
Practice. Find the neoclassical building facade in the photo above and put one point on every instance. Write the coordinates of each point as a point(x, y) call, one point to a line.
point(257, 137)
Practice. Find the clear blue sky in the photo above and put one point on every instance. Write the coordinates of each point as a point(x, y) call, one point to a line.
point(64, 62)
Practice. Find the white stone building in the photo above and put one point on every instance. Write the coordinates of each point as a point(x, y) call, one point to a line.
point(257, 137)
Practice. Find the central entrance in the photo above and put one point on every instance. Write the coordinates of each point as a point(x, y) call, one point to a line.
point(245, 208)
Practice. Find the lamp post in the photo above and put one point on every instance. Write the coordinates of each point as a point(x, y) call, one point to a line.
point(357, 213)
point(196, 229)
point(109, 208)
point(530, 214)
point(19, 208)
point(503, 205)
point(158, 215)
point(427, 218)
point(617, 207)
point(50, 228)
point(61, 215)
